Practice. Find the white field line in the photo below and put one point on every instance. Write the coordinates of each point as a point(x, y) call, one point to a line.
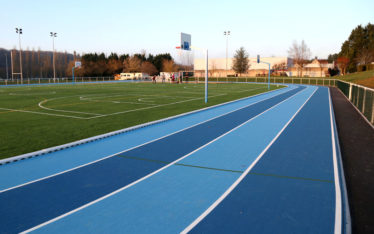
point(151, 107)
point(43, 113)
point(233, 186)
point(338, 195)
point(106, 101)
point(40, 104)
point(151, 174)
point(62, 172)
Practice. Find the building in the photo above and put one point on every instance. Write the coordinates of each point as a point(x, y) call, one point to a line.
point(281, 66)
point(317, 68)
point(221, 67)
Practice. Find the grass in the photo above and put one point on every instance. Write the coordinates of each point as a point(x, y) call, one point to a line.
point(365, 78)
point(38, 117)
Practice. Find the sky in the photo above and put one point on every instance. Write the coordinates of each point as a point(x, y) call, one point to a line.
point(267, 27)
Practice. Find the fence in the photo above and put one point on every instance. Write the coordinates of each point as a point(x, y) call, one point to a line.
point(52, 81)
point(360, 96)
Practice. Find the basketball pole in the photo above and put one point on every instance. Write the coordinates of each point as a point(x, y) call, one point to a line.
point(206, 76)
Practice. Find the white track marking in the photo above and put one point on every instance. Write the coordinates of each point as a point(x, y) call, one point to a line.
point(153, 173)
point(42, 113)
point(338, 195)
point(233, 186)
point(40, 104)
point(62, 172)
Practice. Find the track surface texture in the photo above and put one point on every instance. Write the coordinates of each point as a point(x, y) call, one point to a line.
point(357, 147)
point(264, 164)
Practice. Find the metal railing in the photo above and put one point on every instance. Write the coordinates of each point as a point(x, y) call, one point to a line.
point(279, 80)
point(361, 97)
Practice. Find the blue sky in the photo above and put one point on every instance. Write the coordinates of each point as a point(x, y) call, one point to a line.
point(262, 27)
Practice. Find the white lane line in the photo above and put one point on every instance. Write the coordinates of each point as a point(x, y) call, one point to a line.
point(155, 172)
point(338, 195)
point(43, 113)
point(62, 172)
point(233, 186)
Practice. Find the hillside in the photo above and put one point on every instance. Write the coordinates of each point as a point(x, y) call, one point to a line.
point(365, 78)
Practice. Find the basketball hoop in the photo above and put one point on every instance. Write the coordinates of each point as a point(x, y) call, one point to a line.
point(177, 47)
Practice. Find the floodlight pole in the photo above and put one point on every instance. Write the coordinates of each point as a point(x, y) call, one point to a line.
point(53, 35)
point(19, 32)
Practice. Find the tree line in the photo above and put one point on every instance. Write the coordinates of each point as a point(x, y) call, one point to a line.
point(94, 64)
point(39, 64)
point(35, 63)
point(357, 52)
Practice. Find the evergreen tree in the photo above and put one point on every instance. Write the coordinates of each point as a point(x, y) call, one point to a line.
point(241, 62)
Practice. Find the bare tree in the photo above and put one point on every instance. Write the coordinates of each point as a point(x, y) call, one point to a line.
point(365, 56)
point(168, 66)
point(300, 55)
point(132, 64)
point(342, 63)
point(213, 68)
point(149, 68)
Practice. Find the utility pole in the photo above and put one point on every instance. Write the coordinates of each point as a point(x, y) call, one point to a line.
point(227, 34)
point(53, 35)
point(19, 32)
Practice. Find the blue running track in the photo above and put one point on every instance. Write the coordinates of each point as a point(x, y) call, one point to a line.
point(264, 164)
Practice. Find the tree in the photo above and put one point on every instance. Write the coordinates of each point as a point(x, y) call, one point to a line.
point(359, 47)
point(213, 68)
point(132, 64)
point(332, 57)
point(300, 55)
point(240, 62)
point(342, 63)
point(149, 68)
point(168, 66)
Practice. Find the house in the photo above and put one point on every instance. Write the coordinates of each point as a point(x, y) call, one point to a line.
point(221, 67)
point(316, 68)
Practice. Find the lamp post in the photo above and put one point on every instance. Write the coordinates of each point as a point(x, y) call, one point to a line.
point(227, 34)
point(53, 35)
point(19, 32)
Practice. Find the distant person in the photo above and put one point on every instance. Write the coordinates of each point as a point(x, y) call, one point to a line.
point(163, 78)
point(154, 79)
point(172, 78)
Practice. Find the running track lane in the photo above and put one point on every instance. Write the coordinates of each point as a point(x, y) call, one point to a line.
point(292, 189)
point(24, 171)
point(43, 200)
point(171, 199)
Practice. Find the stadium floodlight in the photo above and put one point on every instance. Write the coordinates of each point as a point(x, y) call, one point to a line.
point(19, 32)
point(227, 34)
point(53, 35)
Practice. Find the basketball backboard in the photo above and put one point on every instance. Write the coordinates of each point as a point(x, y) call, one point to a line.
point(185, 41)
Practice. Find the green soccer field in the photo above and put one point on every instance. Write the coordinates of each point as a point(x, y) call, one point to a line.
point(37, 117)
